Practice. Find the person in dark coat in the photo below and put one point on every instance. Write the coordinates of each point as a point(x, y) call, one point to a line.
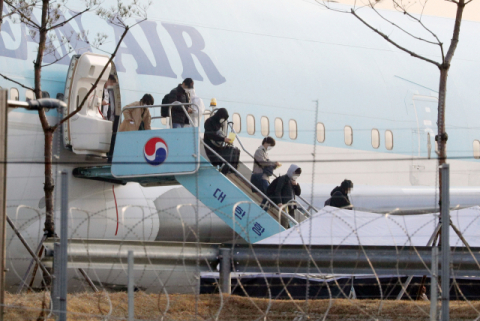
point(181, 93)
point(284, 188)
point(339, 196)
point(214, 136)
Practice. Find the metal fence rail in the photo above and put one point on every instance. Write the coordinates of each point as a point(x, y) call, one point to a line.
point(318, 259)
point(346, 259)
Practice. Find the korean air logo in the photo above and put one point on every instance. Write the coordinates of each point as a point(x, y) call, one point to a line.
point(155, 151)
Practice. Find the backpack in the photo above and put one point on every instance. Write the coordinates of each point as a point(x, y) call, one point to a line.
point(164, 110)
point(273, 185)
point(268, 170)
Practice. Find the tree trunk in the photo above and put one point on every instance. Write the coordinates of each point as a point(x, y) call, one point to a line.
point(1, 14)
point(442, 135)
point(49, 185)
point(47, 129)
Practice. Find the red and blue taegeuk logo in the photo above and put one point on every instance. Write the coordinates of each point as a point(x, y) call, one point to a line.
point(155, 151)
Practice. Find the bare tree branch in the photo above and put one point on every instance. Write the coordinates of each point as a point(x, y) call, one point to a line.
point(21, 14)
point(94, 86)
point(14, 81)
point(326, 6)
point(372, 6)
point(58, 59)
point(61, 24)
point(413, 54)
point(405, 12)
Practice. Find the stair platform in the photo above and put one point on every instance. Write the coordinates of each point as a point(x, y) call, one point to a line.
point(104, 174)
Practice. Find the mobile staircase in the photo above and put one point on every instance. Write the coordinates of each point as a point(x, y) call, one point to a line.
point(173, 156)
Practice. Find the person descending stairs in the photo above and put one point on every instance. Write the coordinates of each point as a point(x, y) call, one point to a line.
point(173, 156)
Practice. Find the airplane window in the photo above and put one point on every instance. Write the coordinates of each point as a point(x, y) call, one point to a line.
point(389, 139)
point(348, 132)
point(265, 126)
point(292, 129)
point(237, 123)
point(250, 124)
point(320, 132)
point(29, 95)
point(14, 94)
point(375, 138)
point(279, 127)
point(476, 149)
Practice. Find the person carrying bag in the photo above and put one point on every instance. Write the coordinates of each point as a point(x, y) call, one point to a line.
point(262, 167)
point(137, 118)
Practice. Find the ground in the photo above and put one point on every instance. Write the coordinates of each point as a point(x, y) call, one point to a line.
point(113, 306)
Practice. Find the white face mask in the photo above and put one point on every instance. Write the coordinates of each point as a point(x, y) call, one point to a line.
point(295, 177)
point(222, 120)
point(269, 147)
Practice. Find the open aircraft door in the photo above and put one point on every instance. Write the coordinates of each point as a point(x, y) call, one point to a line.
point(88, 132)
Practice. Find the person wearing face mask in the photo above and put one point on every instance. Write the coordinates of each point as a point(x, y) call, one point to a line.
point(137, 118)
point(107, 110)
point(339, 196)
point(262, 166)
point(214, 136)
point(181, 93)
point(284, 188)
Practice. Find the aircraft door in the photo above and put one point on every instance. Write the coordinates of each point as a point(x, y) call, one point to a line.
point(88, 132)
point(426, 111)
point(422, 171)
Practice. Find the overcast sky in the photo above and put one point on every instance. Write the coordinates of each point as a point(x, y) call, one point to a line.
point(432, 7)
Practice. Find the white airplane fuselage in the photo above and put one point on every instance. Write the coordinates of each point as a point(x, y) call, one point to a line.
point(298, 64)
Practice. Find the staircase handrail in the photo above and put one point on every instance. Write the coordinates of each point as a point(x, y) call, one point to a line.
point(288, 217)
point(169, 110)
point(310, 206)
point(294, 202)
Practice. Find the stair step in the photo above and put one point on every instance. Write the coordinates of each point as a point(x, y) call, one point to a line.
point(226, 198)
point(240, 183)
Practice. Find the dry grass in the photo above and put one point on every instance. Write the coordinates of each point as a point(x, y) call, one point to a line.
point(113, 306)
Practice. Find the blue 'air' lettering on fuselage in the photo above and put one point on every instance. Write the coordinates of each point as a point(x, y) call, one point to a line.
point(19, 39)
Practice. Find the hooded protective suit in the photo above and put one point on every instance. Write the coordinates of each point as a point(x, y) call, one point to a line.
point(198, 108)
point(213, 135)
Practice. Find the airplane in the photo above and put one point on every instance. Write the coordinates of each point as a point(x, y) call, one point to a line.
point(339, 101)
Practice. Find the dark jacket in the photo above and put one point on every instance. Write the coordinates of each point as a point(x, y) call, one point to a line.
point(339, 199)
point(178, 94)
point(281, 190)
point(211, 136)
point(212, 126)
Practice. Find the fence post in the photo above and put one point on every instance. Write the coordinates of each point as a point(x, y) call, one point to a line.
point(445, 238)
point(63, 253)
point(434, 285)
point(3, 192)
point(56, 279)
point(225, 270)
point(131, 297)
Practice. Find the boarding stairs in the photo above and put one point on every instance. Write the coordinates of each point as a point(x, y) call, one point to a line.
point(163, 157)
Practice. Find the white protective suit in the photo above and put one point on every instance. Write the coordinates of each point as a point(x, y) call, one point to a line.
point(198, 108)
